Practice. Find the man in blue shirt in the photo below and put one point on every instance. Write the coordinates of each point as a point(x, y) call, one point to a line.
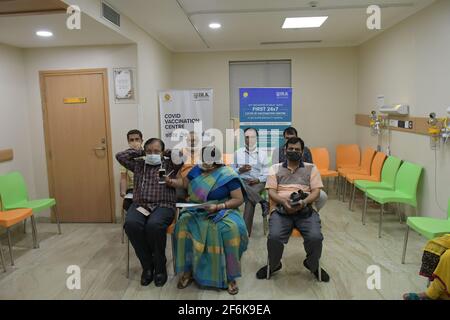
point(252, 165)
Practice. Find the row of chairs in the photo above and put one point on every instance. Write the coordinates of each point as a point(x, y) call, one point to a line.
point(384, 180)
point(16, 207)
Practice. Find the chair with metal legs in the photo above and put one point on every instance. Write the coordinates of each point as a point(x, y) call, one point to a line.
point(430, 228)
point(405, 191)
point(13, 217)
point(295, 234)
point(388, 176)
point(13, 191)
point(347, 157)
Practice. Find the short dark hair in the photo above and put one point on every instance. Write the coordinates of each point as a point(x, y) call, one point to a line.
point(290, 130)
point(150, 141)
point(214, 153)
point(134, 131)
point(295, 140)
point(254, 129)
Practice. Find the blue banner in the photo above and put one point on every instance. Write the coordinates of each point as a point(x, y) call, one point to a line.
point(267, 109)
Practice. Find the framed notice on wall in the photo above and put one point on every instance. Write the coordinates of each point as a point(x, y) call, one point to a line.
point(124, 85)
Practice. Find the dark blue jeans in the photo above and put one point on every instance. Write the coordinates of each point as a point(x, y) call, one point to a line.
point(148, 236)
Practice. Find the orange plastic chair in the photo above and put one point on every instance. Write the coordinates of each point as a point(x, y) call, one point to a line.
point(364, 168)
point(295, 234)
point(375, 175)
point(347, 156)
point(321, 159)
point(13, 217)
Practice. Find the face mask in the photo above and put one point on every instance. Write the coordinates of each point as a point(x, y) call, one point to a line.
point(293, 156)
point(153, 159)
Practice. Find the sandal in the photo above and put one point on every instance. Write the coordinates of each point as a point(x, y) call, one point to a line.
point(233, 289)
point(185, 281)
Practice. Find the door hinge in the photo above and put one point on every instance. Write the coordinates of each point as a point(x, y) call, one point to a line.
point(50, 154)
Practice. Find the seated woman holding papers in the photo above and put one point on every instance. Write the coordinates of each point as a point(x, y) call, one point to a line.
point(211, 239)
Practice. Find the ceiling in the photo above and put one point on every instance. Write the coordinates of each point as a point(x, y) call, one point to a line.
point(20, 7)
point(22, 31)
point(182, 25)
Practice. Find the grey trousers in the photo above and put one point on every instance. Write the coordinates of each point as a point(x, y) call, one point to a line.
point(280, 229)
point(253, 198)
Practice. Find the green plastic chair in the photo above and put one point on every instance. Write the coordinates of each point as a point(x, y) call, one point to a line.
point(405, 192)
point(14, 195)
point(430, 228)
point(388, 174)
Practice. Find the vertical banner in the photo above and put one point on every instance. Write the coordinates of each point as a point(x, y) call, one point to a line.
point(184, 109)
point(267, 109)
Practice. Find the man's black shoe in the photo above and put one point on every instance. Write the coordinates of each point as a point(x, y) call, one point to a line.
point(160, 279)
point(146, 277)
point(262, 273)
point(325, 276)
point(265, 208)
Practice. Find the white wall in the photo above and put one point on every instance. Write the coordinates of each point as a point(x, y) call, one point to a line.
point(14, 117)
point(324, 85)
point(153, 60)
point(123, 116)
point(410, 64)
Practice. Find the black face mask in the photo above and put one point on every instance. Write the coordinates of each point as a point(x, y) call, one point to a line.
point(293, 156)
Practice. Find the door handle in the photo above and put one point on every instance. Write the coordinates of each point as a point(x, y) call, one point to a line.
point(100, 148)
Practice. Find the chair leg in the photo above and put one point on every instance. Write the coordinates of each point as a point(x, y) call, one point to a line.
point(381, 221)
point(352, 198)
point(345, 189)
point(25, 226)
point(364, 211)
point(338, 187)
point(405, 244)
point(57, 219)
point(3, 258)
point(173, 255)
point(123, 230)
point(128, 258)
point(34, 231)
point(8, 231)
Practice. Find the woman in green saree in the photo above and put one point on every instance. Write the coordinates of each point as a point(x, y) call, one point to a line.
point(210, 241)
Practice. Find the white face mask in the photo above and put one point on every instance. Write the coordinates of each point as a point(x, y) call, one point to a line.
point(153, 159)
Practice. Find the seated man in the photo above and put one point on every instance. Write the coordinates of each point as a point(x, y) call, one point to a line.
point(285, 179)
point(134, 138)
point(251, 164)
point(279, 156)
point(153, 208)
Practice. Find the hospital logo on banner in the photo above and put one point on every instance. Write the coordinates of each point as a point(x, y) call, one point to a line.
point(201, 96)
point(167, 97)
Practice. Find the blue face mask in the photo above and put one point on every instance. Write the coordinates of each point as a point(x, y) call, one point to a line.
point(153, 159)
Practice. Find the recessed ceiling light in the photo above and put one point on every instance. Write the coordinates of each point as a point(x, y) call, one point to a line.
point(304, 22)
point(44, 33)
point(215, 25)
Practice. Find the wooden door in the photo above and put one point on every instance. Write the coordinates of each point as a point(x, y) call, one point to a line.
point(78, 144)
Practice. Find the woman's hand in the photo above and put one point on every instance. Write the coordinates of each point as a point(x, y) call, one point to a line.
point(212, 208)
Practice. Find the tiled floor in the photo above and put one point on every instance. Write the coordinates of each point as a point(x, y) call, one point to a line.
point(349, 249)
